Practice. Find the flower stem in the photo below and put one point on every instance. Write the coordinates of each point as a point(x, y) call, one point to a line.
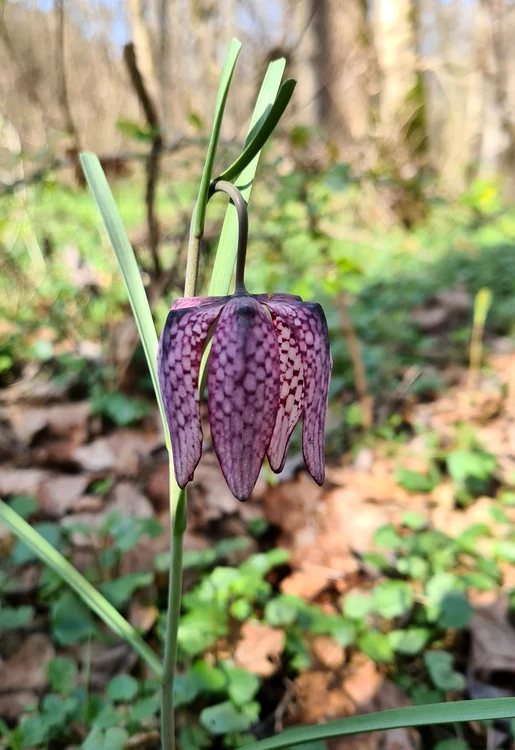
point(177, 529)
point(240, 204)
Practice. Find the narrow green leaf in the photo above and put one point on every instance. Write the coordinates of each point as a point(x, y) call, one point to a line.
point(226, 256)
point(104, 199)
point(263, 130)
point(89, 595)
point(199, 216)
point(413, 716)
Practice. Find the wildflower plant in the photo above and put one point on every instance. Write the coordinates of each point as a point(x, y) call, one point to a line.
point(275, 336)
point(269, 363)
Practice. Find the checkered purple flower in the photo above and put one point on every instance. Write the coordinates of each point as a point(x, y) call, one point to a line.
point(269, 364)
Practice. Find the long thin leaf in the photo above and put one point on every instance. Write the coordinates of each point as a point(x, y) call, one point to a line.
point(127, 262)
point(89, 595)
point(226, 255)
point(413, 716)
point(199, 215)
point(263, 132)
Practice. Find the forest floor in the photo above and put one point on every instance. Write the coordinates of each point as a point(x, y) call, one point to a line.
point(394, 585)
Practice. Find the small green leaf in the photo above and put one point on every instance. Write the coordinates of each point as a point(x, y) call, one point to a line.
point(194, 738)
point(24, 505)
point(120, 590)
point(241, 609)
point(357, 606)
point(410, 641)
point(455, 610)
point(115, 738)
point(185, 689)
point(62, 674)
point(387, 537)
point(414, 567)
point(12, 618)
point(463, 465)
point(208, 678)
point(122, 688)
point(281, 611)
point(504, 550)
point(377, 646)
point(71, 620)
point(225, 717)
point(392, 599)
point(440, 667)
point(414, 521)
point(145, 708)
point(478, 580)
point(415, 481)
point(437, 588)
point(243, 685)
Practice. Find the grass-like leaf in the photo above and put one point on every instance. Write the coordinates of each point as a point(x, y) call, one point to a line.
point(413, 716)
point(104, 199)
point(89, 595)
point(199, 215)
point(263, 131)
point(226, 255)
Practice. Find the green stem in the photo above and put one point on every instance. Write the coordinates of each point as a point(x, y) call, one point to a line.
point(177, 529)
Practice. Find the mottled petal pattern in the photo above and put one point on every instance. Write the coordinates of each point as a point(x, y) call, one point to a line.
point(243, 385)
point(309, 326)
point(178, 363)
point(291, 396)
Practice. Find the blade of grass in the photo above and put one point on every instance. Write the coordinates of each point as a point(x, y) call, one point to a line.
point(89, 595)
point(226, 255)
point(263, 132)
point(413, 716)
point(199, 212)
point(115, 229)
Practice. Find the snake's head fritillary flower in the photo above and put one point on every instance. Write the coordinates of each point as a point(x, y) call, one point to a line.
point(269, 365)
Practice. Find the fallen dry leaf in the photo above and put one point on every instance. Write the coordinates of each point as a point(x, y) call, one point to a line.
point(62, 420)
point(319, 699)
point(259, 649)
point(26, 669)
point(362, 680)
point(60, 493)
point(12, 705)
point(21, 481)
point(305, 583)
point(328, 651)
point(142, 616)
point(209, 498)
point(95, 456)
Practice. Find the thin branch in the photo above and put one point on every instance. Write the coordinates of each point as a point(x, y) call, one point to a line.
point(154, 157)
point(64, 100)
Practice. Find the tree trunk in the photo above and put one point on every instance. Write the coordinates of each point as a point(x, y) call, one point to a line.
point(400, 99)
point(335, 44)
point(501, 36)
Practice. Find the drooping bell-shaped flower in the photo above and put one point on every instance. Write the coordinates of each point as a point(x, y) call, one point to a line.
point(269, 365)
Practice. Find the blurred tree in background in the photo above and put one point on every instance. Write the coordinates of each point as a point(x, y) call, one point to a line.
point(403, 85)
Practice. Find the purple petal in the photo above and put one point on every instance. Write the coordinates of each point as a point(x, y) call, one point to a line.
point(243, 384)
point(291, 396)
point(178, 362)
point(279, 297)
point(309, 326)
point(183, 302)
